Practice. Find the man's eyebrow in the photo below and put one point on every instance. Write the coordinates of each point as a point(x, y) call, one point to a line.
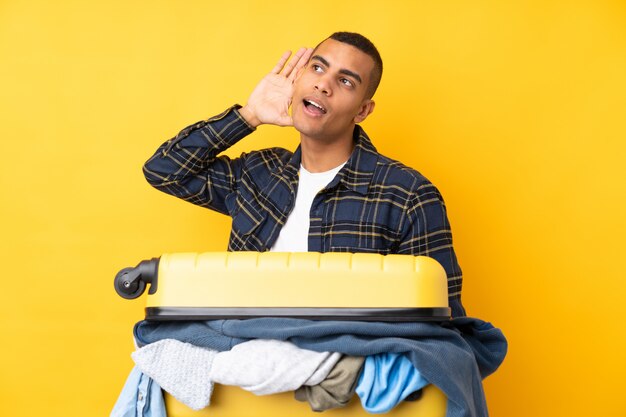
point(341, 71)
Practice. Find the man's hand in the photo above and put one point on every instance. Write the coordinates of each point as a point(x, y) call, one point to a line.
point(269, 102)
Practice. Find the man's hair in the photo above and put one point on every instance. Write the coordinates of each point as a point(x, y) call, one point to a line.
point(364, 45)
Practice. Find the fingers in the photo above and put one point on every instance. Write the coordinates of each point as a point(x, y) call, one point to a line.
point(289, 68)
point(281, 62)
point(300, 61)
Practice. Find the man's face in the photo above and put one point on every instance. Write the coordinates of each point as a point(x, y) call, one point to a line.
point(330, 92)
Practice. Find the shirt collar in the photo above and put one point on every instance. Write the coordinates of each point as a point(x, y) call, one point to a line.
point(358, 171)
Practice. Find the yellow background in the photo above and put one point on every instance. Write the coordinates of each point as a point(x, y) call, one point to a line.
point(516, 110)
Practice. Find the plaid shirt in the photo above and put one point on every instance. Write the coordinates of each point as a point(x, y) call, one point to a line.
point(374, 204)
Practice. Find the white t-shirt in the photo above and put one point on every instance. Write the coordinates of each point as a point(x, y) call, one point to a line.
point(294, 236)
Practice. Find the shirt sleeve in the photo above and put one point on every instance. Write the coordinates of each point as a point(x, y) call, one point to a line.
point(187, 166)
point(426, 232)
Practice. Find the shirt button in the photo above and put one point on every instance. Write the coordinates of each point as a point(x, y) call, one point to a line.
point(140, 396)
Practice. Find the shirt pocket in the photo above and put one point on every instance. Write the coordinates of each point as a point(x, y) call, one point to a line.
point(364, 243)
point(355, 237)
point(357, 249)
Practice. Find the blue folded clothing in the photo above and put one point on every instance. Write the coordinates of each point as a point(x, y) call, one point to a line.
point(386, 380)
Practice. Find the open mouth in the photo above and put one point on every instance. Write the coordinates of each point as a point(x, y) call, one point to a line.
point(314, 107)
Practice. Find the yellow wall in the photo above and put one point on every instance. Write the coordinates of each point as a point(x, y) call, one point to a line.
point(515, 109)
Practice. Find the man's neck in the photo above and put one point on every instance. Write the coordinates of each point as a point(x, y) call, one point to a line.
point(321, 156)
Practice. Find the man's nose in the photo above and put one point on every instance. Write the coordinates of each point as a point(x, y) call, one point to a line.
point(322, 86)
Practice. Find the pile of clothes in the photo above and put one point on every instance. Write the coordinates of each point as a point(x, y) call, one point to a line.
point(324, 362)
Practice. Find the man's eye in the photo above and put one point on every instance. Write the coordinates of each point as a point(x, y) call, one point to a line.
point(316, 68)
point(346, 82)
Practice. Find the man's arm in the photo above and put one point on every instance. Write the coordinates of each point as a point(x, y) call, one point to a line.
point(426, 231)
point(188, 166)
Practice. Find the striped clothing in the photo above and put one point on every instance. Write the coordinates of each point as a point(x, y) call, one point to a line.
point(374, 204)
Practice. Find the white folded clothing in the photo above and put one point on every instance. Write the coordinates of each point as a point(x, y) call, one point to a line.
point(264, 366)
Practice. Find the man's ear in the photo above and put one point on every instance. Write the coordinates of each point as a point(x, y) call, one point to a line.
point(366, 109)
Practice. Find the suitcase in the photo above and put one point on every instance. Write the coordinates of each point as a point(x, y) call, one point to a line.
point(329, 286)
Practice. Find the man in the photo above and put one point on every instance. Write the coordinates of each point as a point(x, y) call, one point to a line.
point(335, 192)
